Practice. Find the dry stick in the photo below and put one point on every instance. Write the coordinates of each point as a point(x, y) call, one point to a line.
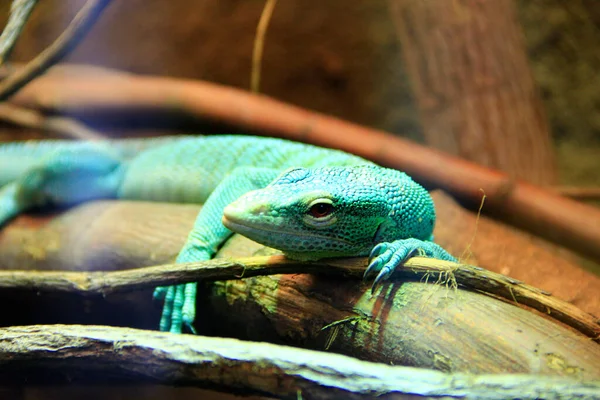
point(259, 42)
point(59, 125)
point(66, 42)
point(473, 278)
point(101, 355)
point(539, 211)
point(20, 11)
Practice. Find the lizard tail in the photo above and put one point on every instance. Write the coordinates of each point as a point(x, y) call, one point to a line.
point(18, 157)
point(10, 206)
point(57, 174)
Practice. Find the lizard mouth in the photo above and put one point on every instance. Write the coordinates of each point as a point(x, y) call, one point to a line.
point(262, 233)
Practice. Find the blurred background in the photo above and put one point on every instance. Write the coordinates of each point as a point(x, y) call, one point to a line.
point(511, 84)
point(341, 58)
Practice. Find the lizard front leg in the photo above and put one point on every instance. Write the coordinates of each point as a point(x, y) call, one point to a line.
point(203, 241)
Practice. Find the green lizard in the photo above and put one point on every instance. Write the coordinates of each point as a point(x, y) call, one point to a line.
point(307, 201)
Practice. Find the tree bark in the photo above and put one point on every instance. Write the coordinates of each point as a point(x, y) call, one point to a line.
point(96, 354)
point(473, 85)
point(424, 323)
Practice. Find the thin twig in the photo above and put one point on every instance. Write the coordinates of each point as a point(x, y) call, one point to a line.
point(20, 11)
point(66, 42)
point(63, 126)
point(473, 278)
point(259, 42)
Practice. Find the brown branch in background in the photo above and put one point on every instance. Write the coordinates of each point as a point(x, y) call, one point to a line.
point(259, 44)
point(63, 126)
point(473, 85)
point(472, 278)
point(66, 42)
point(532, 208)
point(20, 11)
point(579, 193)
point(101, 355)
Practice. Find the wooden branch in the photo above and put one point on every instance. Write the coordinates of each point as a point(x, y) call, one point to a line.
point(403, 323)
point(441, 272)
point(20, 11)
point(472, 83)
point(535, 209)
point(63, 126)
point(97, 354)
point(579, 193)
point(63, 45)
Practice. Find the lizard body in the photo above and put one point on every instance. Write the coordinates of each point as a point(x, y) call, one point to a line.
point(307, 201)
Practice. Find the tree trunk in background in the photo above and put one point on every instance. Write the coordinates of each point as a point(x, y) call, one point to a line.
point(473, 85)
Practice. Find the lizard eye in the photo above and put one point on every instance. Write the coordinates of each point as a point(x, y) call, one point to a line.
point(320, 214)
point(320, 210)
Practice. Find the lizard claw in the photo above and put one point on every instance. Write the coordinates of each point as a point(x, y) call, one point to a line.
point(387, 256)
point(377, 258)
point(188, 308)
point(374, 266)
point(385, 273)
point(377, 250)
point(389, 260)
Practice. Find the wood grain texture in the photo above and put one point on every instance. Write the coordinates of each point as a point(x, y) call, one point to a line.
point(413, 323)
point(467, 63)
point(95, 354)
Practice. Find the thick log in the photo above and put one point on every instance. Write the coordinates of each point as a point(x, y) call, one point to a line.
point(109, 236)
point(473, 85)
point(413, 323)
point(95, 354)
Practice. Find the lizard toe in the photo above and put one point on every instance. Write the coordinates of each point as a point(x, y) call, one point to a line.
point(165, 319)
point(188, 311)
point(391, 259)
point(386, 257)
point(176, 315)
point(160, 292)
point(377, 250)
point(374, 266)
point(379, 256)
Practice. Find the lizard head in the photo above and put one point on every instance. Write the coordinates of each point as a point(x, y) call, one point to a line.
point(326, 212)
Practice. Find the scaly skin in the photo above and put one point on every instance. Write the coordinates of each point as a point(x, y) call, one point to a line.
point(337, 205)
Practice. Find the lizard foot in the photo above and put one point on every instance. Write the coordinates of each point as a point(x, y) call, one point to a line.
point(179, 309)
point(387, 256)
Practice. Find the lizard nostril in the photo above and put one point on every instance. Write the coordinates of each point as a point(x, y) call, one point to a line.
point(259, 209)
